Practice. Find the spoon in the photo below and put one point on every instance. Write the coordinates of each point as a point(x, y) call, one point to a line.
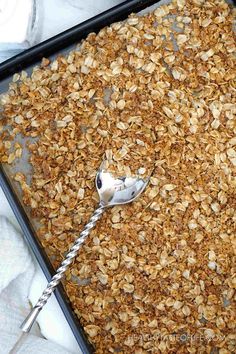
point(112, 191)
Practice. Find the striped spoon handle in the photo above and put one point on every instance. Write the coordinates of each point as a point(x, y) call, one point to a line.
point(30, 319)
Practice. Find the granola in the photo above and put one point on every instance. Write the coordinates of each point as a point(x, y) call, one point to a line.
point(153, 93)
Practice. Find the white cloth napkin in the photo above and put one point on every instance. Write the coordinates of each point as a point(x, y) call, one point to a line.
point(16, 273)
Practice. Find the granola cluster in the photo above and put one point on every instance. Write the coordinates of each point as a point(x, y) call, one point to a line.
point(155, 93)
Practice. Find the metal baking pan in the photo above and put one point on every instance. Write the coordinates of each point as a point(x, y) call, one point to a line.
point(62, 43)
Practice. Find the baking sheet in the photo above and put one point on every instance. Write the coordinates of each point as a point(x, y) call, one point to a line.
point(22, 164)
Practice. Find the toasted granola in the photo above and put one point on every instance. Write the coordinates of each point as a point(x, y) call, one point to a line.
point(153, 93)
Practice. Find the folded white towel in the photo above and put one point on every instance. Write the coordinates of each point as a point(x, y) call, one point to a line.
point(17, 271)
point(16, 22)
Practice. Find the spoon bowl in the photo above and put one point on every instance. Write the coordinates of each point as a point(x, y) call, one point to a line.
point(122, 190)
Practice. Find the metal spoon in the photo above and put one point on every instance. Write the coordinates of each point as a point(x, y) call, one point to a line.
point(112, 191)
